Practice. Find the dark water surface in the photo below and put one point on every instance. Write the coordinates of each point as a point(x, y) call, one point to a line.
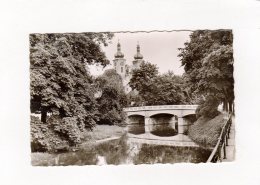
point(122, 152)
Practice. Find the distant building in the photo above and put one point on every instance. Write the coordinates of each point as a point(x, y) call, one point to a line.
point(124, 70)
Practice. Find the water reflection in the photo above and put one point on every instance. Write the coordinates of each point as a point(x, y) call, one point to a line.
point(121, 151)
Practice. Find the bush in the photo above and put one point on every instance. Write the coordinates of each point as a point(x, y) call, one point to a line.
point(44, 139)
point(58, 134)
point(206, 131)
point(67, 128)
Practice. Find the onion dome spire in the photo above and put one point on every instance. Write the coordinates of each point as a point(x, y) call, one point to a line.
point(138, 55)
point(119, 54)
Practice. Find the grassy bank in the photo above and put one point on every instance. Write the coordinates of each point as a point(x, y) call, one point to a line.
point(205, 132)
point(104, 131)
point(88, 151)
point(58, 135)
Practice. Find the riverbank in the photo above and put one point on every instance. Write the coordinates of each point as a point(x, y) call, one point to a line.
point(88, 153)
point(205, 131)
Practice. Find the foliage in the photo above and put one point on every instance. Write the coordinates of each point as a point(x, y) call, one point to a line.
point(142, 78)
point(60, 134)
point(43, 138)
point(208, 62)
point(168, 90)
point(134, 99)
point(208, 107)
point(67, 128)
point(112, 99)
point(60, 82)
point(206, 131)
point(155, 89)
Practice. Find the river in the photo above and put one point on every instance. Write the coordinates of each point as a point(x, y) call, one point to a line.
point(120, 151)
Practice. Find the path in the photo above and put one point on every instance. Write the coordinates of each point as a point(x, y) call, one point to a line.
point(107, 139)
point(230, 149)
point(87, 143)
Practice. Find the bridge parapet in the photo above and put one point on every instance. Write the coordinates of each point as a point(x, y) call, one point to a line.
point(161, 107)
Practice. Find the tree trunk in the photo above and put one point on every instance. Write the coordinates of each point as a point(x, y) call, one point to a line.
point(225, 105)
point(43, 116)
point(230, 106)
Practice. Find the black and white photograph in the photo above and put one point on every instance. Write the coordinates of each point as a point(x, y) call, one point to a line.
point(140, 92)
point(102, 98)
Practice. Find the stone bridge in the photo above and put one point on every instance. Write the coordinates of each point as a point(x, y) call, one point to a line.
point(160, 120)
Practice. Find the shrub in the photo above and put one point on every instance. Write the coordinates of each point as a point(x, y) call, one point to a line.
point(38, 132)
point(58, 134)
point(206, 131)
point(68, 129)
point(44, 139)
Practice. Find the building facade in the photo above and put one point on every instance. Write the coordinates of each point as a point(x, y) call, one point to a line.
point(125, 70)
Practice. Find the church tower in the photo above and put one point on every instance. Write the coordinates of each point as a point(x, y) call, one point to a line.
point(138, 58)
point(120, 62)
point(124, 70)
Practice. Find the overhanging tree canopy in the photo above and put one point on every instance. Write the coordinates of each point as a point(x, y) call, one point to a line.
point(208, 62)
point(60, 81)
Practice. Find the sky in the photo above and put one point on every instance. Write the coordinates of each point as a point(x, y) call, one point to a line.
point(160, 48)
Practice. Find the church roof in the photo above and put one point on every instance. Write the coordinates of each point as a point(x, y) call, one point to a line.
point(138, 55)
point(119, 54)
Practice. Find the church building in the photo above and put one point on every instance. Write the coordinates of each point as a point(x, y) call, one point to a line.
point(123, 69)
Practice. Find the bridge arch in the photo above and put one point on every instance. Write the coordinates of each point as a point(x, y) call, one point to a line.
point(136, 124)
point(138, 113)
point(164, 124)
point(185, 122)
point(188, 112)
point(162, 113)
point(171, 112)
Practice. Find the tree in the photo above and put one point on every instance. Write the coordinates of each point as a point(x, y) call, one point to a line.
point(112, 99)
point(143, 80)
point(218, 77)
point(168, 90)
point(155, 89)
point(208, 62)
point(60, 82)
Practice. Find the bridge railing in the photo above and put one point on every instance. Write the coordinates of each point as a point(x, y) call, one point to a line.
point(219, 151)
point(156, 107)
